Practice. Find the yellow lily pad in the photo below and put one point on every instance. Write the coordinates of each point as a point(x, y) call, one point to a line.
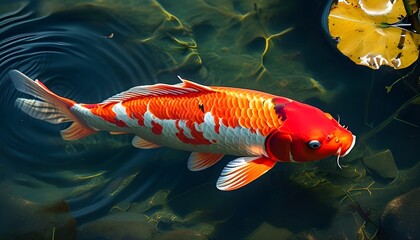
point(362, 29)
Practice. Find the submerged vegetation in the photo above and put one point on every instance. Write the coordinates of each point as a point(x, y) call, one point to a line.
point(254, 44)
point(226, 42)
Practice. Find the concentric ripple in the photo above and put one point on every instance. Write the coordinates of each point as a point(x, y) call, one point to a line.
point(85, 54)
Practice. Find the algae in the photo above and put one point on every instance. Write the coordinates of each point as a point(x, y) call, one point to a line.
point(219, 43)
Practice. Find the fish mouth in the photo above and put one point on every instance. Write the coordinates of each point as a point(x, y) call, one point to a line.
point(349, 149)
point(339, 154)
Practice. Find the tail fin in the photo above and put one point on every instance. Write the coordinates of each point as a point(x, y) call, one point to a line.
point(53, 108)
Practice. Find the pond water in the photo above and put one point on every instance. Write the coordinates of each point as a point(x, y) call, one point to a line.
point(101, 187)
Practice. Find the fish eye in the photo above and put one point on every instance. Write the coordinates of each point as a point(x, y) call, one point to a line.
point(314, 144)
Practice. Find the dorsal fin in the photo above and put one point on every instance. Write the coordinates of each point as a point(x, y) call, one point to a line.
point(160, 89)
point(192, 85)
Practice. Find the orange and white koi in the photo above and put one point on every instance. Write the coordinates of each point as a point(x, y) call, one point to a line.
point(261, 128)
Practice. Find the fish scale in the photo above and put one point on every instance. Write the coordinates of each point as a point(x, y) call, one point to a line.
point(208, 121)
point(187, 108)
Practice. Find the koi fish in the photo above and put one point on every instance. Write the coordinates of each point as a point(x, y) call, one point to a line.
point(260, 128)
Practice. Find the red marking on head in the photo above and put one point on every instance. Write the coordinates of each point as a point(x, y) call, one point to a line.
point(307, 124)
point(157, 128)
point(279, 108)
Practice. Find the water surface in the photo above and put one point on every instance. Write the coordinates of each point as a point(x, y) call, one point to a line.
point(90, 50)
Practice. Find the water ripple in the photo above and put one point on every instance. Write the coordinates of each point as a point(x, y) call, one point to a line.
point(85, 54)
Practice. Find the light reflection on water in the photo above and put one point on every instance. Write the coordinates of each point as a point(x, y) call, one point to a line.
point(88, 52)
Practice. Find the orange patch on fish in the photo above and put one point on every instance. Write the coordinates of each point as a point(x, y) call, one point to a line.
point(230, 108)
point(135, 109)
point(105, 112)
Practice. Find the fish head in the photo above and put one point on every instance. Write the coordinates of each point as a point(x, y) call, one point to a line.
point(312, 135)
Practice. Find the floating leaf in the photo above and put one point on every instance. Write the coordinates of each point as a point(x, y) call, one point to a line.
point(366, 32)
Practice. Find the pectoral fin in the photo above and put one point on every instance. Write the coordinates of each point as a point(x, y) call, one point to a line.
point(139, 142)
point(242, 171)
point(199, 161)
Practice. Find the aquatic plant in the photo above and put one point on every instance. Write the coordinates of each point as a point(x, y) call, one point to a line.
point(413, 100)
point(159, 215)
point(226, 42)
point(217, 42)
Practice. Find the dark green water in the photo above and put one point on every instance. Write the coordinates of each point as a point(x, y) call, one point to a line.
point(103, 188)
